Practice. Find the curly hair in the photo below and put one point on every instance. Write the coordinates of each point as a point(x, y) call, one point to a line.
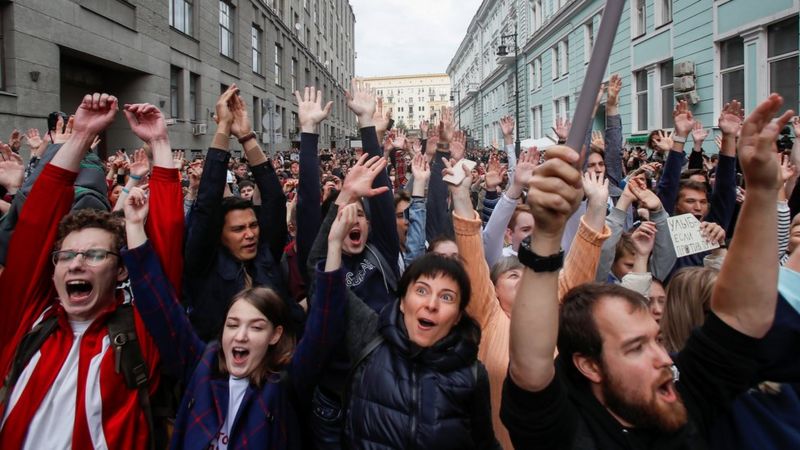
point(92, 218)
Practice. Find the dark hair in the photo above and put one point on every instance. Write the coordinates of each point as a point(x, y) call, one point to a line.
point(246, 183)
point(692, 172)
point(598, 151)
point(624, 246)
point(433, 265)
point(577, 329)
point(400, 196)
point(691, 185)
point(268, 303)
point(651, 141)
point(438, 240)
point(92, 218)
point(233, 204)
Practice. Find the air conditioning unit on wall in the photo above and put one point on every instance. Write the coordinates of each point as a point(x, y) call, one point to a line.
point(685, 82)
point(199, 129)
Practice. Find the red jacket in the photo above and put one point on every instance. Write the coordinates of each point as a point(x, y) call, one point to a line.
point(27, 293)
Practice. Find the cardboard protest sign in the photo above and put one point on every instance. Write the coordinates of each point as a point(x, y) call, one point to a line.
point(687, 237)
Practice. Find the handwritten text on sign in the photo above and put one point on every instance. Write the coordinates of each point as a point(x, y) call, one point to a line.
point(687, 237)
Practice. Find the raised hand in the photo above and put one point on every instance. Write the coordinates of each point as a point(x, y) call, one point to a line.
point(12, 170)
point(731, 118)
point(420, 168)
point(346, 219)
point(433, 140)
point(195, 171)
point(562, 128)
point(788, 170)
point(423, 127)
point(554, 193)
point(507, 125)
point(447, 125)
point(147, 123)
point(62, 133)
point(598, 143)
point(177, 159)
point(612, 94)
point(34, 141)
point(223, 110)
point(663, 140)
point(399, 139)
point(241, 125)
point(310, 110)
point(140, 164)
point(759, 133)
point(361, 100)
point(458, 145)
point(644, 238)
point(358, 182)
point(647, 198)
point(699, 134)
point(595, 187)
point(415, 147)
point(136, 206)
point(494, 173)
point(796, 126)
point(15, 140)
point(95, 114)
point(526, 164)
point(684, 119)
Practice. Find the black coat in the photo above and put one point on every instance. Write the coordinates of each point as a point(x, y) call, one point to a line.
point(404, 397)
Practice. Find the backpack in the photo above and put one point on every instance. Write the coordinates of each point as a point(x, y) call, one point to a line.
point(128, 360)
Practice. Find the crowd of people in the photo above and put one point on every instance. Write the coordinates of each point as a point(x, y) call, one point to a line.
point(397, 295)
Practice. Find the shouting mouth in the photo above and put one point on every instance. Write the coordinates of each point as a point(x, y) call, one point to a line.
point(355, 237)
point(79, 290)
point(239, 355)
point(666, 391)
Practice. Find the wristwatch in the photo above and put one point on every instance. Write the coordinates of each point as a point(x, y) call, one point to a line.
point(552, 263)
point(676, 138)
point(247, 137)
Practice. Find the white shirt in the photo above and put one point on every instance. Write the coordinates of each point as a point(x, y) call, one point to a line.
point(236, 389)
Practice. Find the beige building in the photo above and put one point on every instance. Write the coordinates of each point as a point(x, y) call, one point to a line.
point(413, 97)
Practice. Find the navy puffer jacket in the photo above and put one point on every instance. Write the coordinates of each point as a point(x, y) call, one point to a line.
point(406, 397)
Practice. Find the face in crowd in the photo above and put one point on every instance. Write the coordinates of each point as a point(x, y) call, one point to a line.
point(595, 163)
point(506, 288)
point(657, 297)
point(246, 192)
point(401, 221)
point(519, 227)
point(356, 239)
point(240, 233)
point(246, 338)
point(86, 283)
point(692, 201)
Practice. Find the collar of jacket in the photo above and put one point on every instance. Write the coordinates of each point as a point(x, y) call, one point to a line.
point(458, 349)
point(229, 267)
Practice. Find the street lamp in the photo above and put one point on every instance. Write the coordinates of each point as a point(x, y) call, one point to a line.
point(452, 98)
point(502, 50)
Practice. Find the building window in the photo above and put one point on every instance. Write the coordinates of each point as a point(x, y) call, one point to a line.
point(555, 57)
point(180, 15)
point(255, 43)
point(226, 39)
point(588, 41)
point(639, 19)
point(536, 15)
point(782, 56)
point(561, 108)
point(667, 95)
point(194, 103)
point(293, 74)
point(254, 119)
point(640, 78)
point(663, 12)
point(731, 61)
point(175, 92)
point(536, 122)
point(563, 57)
point(278, 64)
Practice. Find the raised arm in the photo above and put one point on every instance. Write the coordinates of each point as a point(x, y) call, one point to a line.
point(166, 321)
point(310, 114)
point(699, 134)
point(613, 134)
point(205, 220)
point(383, 230)
point(415, 237)
point(554, 194)
point(30, 276)
point(744, 298)
point(670, 177)
point(723, 199)
point(663, 253)
point(165, 225)
point(507, 126)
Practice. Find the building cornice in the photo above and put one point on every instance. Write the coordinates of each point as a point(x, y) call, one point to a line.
point(555, 25)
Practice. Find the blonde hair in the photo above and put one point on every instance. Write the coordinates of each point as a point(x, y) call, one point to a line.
point(688, 301)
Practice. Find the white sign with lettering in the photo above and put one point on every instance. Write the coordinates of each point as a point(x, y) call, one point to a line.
point(687, 237)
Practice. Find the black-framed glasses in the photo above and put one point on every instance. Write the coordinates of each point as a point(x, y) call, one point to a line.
point(92, 257)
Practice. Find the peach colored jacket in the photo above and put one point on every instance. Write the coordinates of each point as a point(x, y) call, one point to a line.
point(580, 266)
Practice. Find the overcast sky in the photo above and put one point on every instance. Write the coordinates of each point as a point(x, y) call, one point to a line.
point(402, 37)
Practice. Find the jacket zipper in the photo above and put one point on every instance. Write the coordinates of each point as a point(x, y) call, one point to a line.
point(414, 405)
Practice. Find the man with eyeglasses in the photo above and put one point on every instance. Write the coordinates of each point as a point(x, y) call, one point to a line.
point(68, 389)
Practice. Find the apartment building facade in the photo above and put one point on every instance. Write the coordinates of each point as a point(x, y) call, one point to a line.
point(179, 55)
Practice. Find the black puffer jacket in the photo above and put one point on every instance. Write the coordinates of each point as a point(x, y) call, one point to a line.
point(406, 397)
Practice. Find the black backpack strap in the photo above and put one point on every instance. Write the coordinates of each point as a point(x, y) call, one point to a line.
point(31, 343)
point(129, 360)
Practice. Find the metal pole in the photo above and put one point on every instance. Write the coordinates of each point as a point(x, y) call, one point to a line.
point(517, 145)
